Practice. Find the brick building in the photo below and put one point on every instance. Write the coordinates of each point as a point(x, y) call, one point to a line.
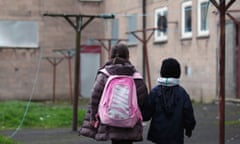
point(23, 67)
point(191, 35)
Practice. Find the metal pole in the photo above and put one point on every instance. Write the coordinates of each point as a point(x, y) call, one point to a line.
point(147, 61)
point(222, 8)
point(238, 50)
point(222, 74)
point(77, 76)
point(54, 61)
point(54, 82)
point(144, 42)
point(109, 49)
point(109, 44)
point(144, 38)
point(78, 27)
point(70, 78)
point(238, 63)
point(68, 54)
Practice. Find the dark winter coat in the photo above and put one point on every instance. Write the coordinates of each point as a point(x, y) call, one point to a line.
point(104, 132)
point(168, 119)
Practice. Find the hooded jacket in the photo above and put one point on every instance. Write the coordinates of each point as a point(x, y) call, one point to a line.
point(104, 132)
point(169, 108)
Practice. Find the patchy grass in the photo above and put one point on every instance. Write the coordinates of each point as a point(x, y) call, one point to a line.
point(5, 140)
point(232, 122)
point(39, 115)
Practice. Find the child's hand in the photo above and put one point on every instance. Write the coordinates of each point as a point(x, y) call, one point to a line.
point(94, 123)
point(188, 133)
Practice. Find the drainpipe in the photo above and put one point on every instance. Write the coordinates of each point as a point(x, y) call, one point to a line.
point(144, 37)
point(238, 63)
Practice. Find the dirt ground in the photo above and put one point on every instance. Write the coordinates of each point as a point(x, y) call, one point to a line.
point(206, 131)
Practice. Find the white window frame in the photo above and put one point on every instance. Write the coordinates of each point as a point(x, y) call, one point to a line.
point(202, 32)
point(158, 35)
point(185, 34)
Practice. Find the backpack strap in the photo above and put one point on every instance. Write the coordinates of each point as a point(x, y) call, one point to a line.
point(105, 71)
point(136, 75)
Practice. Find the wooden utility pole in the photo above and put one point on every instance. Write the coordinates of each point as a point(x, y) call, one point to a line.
point(81, 21)
point(237, 22)
point(144, 41)
point(54, 61)
point(109, 41)
point(222, 8)
point(68, 54)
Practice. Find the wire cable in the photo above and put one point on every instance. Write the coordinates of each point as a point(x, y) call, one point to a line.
point(31, 95)
point(32, 92)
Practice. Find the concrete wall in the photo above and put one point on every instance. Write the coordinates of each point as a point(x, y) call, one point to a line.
point(198, 55)
point(19, 66)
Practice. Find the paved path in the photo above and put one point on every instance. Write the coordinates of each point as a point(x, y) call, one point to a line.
point(206, 131)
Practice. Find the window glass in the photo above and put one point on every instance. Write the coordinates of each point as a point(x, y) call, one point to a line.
point(187, 19)
point(203, 17)
point(161, 22)
point(204, 9)
point(18, 34)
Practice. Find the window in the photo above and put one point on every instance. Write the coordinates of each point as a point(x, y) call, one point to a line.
point(187, 19)
point(132, 26)
point(203, 17)
point(20, 34)
point(161, 23)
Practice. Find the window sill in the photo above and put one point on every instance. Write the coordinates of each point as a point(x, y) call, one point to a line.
point(160, 42)
point(186, 38)
point(203, 36)
point(132, 45)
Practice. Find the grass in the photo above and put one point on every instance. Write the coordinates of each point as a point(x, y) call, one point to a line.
point(233, 122)
point(39, 115)
point(4, 140)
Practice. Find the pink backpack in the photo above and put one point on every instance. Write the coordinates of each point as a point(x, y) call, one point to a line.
point(118, 105)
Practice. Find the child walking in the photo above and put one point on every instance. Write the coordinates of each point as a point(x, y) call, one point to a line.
point(169, 107)
point(119, 64)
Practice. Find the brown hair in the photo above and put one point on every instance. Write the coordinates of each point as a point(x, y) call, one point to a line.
point(120, 51)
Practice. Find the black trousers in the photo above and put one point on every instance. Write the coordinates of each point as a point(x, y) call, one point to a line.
point(121, 142)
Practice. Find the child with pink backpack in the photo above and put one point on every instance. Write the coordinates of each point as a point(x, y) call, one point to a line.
point(115, 108)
